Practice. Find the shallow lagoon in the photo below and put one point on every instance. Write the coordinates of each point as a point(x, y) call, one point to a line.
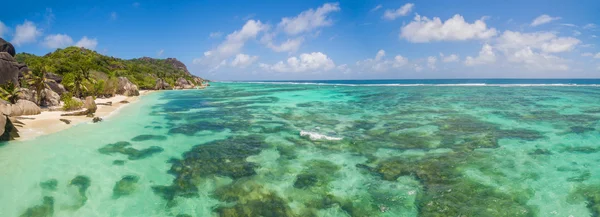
point(235, 149)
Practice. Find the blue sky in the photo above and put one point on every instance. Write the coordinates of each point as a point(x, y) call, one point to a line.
point(279, 40)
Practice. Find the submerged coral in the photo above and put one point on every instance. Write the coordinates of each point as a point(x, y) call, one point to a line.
point(132, 153)
point(46, 209)
point(221, 158)
point(126, 186)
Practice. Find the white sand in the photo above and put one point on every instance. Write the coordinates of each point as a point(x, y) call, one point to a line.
point(49, 121)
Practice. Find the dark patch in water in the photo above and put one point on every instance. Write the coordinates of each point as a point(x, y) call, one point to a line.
point(126, 186)
point(221, 158)
point(46, 209)
point(147, 137)
point(118, 162)
point(132, 153)
point(51, 184)
point(82, 183)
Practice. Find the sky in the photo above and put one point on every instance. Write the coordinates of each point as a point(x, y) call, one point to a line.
point(313, 40)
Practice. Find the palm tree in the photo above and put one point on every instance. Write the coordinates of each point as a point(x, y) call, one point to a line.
point(36, 78)
point(9, 92)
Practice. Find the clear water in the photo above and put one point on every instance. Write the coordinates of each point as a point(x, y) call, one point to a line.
point(235, 149)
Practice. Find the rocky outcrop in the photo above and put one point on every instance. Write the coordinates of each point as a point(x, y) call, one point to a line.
point(162, 85)
point(8, 131)
point(50, 98)
point(9, 69)
point(22, 107)
point(78, 113)
point(54, 77)
point(183, 84)
point(178, 64)
point(27, 94)
point(125, 87)
point(7, 47)
point(56, 87)
point(198, 81)
point(90, 104)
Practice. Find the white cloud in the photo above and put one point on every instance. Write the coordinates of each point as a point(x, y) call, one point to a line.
point(402, 11)
point(431, 60)
point(160, 52)
point(546, 41)
point(291, 45)
point(344, 68)
point(376, 8)
point(589, 26)
point(89, 43)
point(215, 34)
point(243, 60)
point(538, 61)
point(597, 56)
point(309, 20)
point(57, 41)
point(543, 19)
point(26, 33)
point(576, 33)
point(113, 16)
point(3, 29)
point(232, 45)
point(423, 29)
point(306, 62)
point(486, 56)
point(449, 58)
point(380, 63)
point(588, 54)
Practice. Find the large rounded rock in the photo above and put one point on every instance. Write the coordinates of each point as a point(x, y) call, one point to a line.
point(183, 84)
point(8, 131)
point(25, 107)
point(162, 85)
point(54, 77)
point(7, 47)
point(27, 94)
point(56, 87)
point(125, 87)
point(90, 104)
point(9, 69)
point(50, 98)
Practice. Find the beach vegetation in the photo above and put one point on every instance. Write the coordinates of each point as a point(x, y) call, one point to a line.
point(70, 103)
point(9, 92)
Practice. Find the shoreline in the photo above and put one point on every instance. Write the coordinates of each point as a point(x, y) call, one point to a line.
point(48, 122)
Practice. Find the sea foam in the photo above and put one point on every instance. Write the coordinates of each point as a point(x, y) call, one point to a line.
point(318, 136)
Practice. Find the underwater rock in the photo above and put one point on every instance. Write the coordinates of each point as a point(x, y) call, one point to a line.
point(221, 158)
point(147, 137)
point(581, 149)
point(317, 173)
point(96, 119)
point(46, 209)
point(540, 151)
point(580, 178)
point(82, 183)
point(447, 193)
point(132, 153)
point(305, 180)
point(51, 184)
point(580, 129)
point(126, 186)
point(119, 162)
point(251, 200)
point(590, 194)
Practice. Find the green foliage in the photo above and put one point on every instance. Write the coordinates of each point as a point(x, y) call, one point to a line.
point(9, 92)
point(79, 65)
point(36, 78)
point(70, 103)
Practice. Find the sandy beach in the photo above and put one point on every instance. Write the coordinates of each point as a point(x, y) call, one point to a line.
point(49, 121)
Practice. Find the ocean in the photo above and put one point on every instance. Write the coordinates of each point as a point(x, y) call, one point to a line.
point(482, 147)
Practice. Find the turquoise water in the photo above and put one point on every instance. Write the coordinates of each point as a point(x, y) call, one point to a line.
point(235, 149)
